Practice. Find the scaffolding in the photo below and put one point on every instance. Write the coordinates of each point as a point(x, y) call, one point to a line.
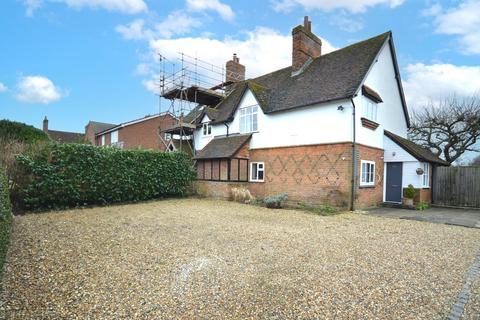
point(189, 84)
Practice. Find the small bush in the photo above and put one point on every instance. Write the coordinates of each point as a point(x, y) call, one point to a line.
point(5, 218)
point(71, 175)
point(410, 192)
point(275, 201)
point(325, 210)
point(422, 205)
point(241, 195)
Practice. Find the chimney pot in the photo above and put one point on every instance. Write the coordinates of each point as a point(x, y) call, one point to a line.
point(45, 125)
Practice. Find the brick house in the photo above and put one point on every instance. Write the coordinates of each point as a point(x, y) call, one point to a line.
point(330, 128)
point(140, 133)
point(63, 136)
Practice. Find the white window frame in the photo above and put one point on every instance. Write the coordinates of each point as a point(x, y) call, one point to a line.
point(426, 175)
point(114, 137)
point(262, 169)
point(367, 178)
point(370, 110)
point(102, 140)
point(206, 129)
point(248, 119)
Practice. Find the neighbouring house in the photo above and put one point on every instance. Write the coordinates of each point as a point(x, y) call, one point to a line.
point(143, 133)
point(329, 129)
point(63, 136)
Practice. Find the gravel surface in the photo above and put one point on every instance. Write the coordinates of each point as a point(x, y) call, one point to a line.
point(184, 259)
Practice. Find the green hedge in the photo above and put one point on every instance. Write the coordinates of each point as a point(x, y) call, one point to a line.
point(21, 132)
point(5, 218)
point(70, 175)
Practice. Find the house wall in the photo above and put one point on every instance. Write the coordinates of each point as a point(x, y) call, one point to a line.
point(143, 134)
point(369, 196)
point(390, 115)
point(90, 134)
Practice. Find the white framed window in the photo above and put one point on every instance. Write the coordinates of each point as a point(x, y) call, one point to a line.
point(370, 110)
point(167, 136)
point(257, 171)
point(367, 174)
point(114, 137)
point(102, 140)
point(206, 129)
point(249, 119)
point(426, 175)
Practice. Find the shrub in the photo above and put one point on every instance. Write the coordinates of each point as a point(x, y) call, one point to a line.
point(410, 192)
point(422, 205)
point(70, 175)
point(242, 195)
point(275, 201)
point(5, 218)
point(21, 132)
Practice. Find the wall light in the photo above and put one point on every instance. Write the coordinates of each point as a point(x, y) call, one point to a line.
point(340, 108)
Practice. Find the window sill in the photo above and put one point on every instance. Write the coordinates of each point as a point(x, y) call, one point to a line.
point(249, 132)
point(367, 123)
point(368, 186)
point(256, 181)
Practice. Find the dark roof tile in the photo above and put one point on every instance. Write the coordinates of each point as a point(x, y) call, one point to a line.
point(223, 147)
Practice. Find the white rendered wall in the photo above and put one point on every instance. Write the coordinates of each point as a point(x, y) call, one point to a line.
point(390, 115)
point(200, 140)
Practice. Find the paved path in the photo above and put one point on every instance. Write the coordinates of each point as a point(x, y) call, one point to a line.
point(459, 217)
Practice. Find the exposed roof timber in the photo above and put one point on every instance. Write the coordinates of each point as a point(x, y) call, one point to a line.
point(195, 94)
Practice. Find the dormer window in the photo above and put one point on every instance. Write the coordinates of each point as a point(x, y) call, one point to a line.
point(207, 129)
point(248, 119)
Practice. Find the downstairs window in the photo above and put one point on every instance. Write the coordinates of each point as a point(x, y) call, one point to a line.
point(367, 174)
point(257, 170)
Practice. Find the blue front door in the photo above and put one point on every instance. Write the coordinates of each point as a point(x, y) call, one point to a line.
point(394, 182)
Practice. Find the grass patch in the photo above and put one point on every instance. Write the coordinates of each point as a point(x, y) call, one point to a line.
point(324, 210)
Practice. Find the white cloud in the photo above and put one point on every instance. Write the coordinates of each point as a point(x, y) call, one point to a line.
point(224, 10)
point(355, 6)
point(346, 22)
point(124, 6)
point(262, 50)
point(3, 87)
point(175, 23)
point(38, 89)
point(432, 11)
point(426, 83)
point(463, 21)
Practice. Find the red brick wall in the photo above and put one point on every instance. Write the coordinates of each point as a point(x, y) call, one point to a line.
point(315, 174)
point(90, 134)
point(369, 196)
point(216, 189)
point(144, 134)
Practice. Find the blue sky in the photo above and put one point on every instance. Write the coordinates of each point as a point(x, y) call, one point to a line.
point(81, 60)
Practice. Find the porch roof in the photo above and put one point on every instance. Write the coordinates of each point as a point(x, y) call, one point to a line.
point(224, 147)
point(419, 152)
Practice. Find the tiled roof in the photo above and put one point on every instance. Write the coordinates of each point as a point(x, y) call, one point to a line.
point(66, 137)
point(333, 76)
point(100, 126)
point(419, 152)
point(223, 147)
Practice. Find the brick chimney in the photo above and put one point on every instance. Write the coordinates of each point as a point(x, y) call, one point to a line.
point(45, 125)
point(235, 70)
point(306, 46)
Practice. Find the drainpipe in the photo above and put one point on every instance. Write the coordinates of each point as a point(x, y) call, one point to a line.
point(226, 125)
point(354, 158)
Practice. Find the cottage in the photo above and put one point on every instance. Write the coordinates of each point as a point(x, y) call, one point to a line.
point(330, 128)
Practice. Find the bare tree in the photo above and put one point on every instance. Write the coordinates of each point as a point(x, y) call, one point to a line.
point(449, 128)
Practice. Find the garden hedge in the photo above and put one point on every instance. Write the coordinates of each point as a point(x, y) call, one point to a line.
point(71, 175)
point(21, 132)
point(5, 218)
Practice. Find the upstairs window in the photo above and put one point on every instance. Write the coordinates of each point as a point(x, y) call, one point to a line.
point(248, 119)
point(426, 175)
point(367, 175)
point(370, 110)
point(206, 129)
point(113, 137)
point(102, 140)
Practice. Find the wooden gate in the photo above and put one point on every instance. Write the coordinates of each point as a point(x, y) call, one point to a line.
point(456, 186)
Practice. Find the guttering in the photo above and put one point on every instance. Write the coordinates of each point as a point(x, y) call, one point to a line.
point(354, 158)
point(228, 128)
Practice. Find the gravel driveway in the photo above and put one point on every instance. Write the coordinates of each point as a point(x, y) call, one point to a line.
point(214, 259)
